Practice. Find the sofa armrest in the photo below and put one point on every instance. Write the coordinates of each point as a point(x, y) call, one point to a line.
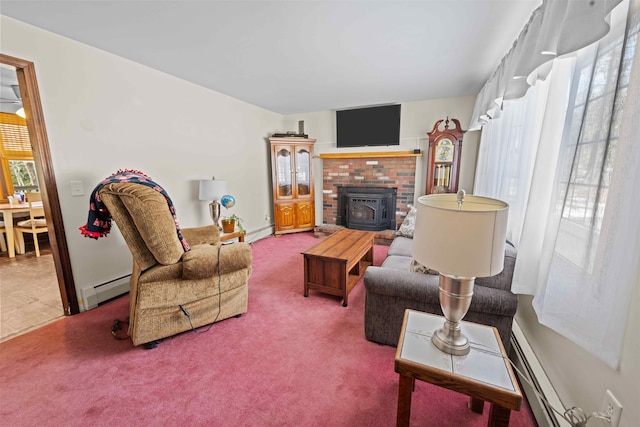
point(504, 279)
point(425, 288)
point(403, 284)
point(202, 260)
point(209, 235)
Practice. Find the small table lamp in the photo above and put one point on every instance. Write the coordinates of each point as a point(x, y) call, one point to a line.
point(213, 189)
point(462, 238)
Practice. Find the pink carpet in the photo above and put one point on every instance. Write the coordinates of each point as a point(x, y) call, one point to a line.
point(289, 361)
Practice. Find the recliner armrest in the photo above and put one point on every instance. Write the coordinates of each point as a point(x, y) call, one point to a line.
point(209, 235)
point(202, 260)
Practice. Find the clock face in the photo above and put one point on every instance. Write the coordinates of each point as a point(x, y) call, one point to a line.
point(444, 150)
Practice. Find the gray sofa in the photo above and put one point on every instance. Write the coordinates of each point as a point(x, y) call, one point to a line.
point(392, 288)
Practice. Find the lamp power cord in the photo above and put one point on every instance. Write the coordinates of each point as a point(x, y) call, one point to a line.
point(186, 312)
point(575, 416)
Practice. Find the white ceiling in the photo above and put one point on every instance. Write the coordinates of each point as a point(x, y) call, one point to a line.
point(300, 56)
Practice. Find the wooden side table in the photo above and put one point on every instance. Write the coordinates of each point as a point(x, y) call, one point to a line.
point(484, 374)
point(236, 234)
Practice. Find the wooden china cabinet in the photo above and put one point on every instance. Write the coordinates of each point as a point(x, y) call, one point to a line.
point(292, 181)
point(445, 149)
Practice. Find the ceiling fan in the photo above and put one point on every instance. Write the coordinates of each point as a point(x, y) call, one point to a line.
point(15, 101)
point(16, 92)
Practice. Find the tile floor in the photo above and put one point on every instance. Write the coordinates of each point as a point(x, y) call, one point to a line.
point(29, 294)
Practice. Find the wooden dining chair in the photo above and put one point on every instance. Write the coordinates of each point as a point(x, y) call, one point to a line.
point(3, 244)
point(35, 225)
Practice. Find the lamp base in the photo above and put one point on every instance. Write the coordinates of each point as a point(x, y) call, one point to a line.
point(455, 298)
point(450, 340)
point(214, 211)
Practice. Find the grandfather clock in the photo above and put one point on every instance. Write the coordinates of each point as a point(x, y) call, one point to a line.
point(445, 148)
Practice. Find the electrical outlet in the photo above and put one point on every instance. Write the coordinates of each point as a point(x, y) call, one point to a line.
point(612, 408)
point(266, 217)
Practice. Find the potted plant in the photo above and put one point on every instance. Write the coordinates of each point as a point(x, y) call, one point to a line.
point(229, 223)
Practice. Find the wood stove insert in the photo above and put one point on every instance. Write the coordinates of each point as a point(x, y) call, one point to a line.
point(367, 208)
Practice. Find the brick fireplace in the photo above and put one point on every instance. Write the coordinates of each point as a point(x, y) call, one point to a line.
point(386, 170)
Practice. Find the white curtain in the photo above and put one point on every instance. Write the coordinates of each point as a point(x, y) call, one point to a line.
point(556, 28)
point(566, 157)
point(521, 148)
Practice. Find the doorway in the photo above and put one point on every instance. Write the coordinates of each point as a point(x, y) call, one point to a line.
point(30, 100)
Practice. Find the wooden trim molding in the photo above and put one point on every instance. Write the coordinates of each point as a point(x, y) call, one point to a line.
point(26, 73)
point(370, 154)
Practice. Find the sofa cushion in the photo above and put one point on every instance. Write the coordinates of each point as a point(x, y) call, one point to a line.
point(39, 222)
point(397, 262)
point(408, 225)
point(401, 246)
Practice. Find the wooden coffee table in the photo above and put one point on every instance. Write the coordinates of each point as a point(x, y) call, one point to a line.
point(484, 374)
point(335, 264)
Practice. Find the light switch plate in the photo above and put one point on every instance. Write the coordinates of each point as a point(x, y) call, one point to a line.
point(77, 189)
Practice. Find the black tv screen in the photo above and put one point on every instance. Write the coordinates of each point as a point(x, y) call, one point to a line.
point(361, 127)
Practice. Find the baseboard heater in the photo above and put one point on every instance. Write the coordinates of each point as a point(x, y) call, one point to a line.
point(527, 363)
point(258, 233)
point(95, 295)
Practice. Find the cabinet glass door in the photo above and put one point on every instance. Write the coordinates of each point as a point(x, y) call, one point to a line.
point(284, 164)
point(303, 171)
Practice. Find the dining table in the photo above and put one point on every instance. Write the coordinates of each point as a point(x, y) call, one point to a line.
point(8, 210)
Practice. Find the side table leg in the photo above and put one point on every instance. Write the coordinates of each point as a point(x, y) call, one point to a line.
point(476, 405)
point(499, 416)
point(405, 388)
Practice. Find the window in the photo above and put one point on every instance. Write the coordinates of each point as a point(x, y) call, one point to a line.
point(23, 175)
point(16, 156)
point(594, 122)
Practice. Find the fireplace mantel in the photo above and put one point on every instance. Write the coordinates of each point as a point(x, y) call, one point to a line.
point(371, 154)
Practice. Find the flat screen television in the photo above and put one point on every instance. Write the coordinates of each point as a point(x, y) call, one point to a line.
point(371, 126)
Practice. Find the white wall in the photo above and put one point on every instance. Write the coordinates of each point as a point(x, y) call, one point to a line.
point(416, 119)
point(103, 113)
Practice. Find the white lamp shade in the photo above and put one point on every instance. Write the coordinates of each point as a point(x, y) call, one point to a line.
point(468, 242)
point(212, 189)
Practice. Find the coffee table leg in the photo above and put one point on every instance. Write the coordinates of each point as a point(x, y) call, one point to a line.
point(306, 277)
point(499, 416)
point(405, 388)
point(345, 285)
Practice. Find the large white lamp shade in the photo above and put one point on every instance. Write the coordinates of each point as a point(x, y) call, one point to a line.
point(468, 242)
point(212, 189)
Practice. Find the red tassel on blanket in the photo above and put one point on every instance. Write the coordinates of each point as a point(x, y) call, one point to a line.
point(92, 234)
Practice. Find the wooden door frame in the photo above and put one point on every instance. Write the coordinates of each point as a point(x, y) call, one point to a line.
point(28, 84)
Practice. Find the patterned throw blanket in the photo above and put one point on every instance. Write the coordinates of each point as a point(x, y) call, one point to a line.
point(99, 221)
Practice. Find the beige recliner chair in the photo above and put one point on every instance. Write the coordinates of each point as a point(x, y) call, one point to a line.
point(173, 291)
